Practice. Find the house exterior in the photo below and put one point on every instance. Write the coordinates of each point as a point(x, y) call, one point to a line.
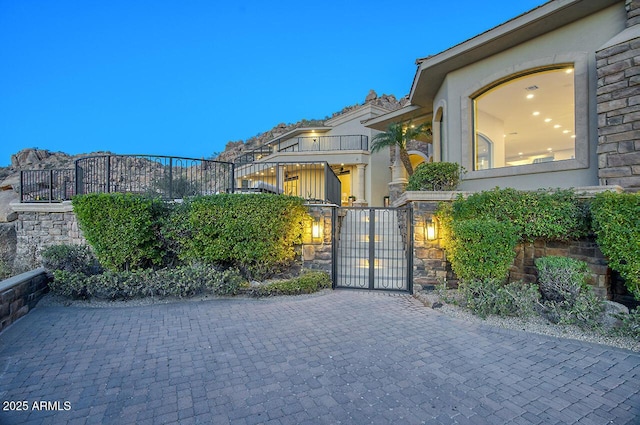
point(547, 99)
point(294, 161)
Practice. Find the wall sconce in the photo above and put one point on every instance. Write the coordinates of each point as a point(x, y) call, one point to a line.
point(430, 229)
point(316, 230)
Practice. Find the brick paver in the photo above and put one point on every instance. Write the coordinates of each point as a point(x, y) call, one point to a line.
point(345, 357)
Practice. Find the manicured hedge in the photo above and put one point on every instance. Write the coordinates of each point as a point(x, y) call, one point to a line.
point(616, 222)
point(435, 176)
point(256, 233)
point(121, 228)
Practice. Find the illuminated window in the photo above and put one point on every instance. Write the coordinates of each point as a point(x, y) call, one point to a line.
point(529, 119)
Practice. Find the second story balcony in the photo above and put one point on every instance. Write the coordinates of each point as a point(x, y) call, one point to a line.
point(310, 144)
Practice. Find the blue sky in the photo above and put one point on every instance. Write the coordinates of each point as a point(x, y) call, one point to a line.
point(185, 77)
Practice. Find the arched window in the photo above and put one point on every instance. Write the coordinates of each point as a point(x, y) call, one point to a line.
point(526, 119)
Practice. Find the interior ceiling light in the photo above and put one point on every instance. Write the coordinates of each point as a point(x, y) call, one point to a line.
point(565, 131)
point(568, 70)
point(557, 126)
point(536, 113)
point(530, 96)
point(547, 120)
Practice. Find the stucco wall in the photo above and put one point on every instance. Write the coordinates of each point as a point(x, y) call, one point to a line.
point(576, 43)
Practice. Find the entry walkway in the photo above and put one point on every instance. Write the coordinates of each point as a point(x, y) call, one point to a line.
point(341, 358)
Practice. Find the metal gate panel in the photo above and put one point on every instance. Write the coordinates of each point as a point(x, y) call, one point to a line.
point(373, 249)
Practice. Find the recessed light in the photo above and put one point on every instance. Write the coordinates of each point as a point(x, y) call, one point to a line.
point(520, 153)
point(557, 126)
point(530, 96)
point(547, 120)
point(536, 113)
point(568, 70)
point(549, 149)
point(565, 131)
point(573, 137)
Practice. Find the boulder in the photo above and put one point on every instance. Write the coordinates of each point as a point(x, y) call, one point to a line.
point(12, 182)
point(7, 214)
point(611, 310)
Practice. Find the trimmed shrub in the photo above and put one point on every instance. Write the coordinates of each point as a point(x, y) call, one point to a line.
point(616, 222)
point(307, 283)
point(481, 249)
point(561, 278)
point(435, 176)
point(255, 233)
point(567, 297)
point(181, 281)
point(70, 258)
point(491, 296)
point(121, 228)
point(556, 215)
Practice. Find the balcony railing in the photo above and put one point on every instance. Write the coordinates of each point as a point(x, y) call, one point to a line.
point(307, 144)
point(314, 181)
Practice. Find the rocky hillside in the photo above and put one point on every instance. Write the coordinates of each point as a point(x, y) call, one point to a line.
point(234, 149)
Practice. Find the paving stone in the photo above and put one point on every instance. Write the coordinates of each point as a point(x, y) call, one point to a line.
point(343, 357)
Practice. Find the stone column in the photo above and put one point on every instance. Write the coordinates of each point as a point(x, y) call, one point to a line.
point(618, 103)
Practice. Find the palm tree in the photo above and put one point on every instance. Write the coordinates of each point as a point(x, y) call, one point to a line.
point(399, 134)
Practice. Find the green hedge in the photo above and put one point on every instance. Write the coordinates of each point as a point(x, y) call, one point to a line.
point(550, 215)
point(616, 222)
point(307, 283)
point(435, 176)
point(256, 233)
point(481, 249)
point(121, 228)
point(180, 281)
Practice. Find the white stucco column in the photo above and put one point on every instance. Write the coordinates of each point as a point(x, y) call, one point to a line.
point(361, 183)
point(398, 172)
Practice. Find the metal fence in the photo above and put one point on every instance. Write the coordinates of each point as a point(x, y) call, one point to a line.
point(46, 185)
point(314, 181)
point(164, 176)
point(176, 177)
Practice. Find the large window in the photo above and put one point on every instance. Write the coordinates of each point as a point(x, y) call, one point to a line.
point(529, 119)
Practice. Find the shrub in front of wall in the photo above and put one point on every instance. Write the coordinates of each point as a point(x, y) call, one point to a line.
point(557, 215)
point(567, 298)
point(183, 281)
point(121, 228)
point(70, 258)
point(492, 296)
point(435, 176)
point(561, 278)
point(307, 283)
point(616, 222)
point(255, 233)
point(481, 249)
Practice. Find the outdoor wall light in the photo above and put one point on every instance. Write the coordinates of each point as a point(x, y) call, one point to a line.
point(316, 230)
point(430, 229)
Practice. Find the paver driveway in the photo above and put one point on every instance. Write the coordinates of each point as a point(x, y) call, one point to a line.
point(344, 357)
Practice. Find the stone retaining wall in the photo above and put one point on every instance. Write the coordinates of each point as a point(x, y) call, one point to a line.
point(41, 225)
point(21, 293)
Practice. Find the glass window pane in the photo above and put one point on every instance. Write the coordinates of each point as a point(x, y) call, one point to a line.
point(526, 120)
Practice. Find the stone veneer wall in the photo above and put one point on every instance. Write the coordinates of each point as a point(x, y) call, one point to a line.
point(432, 268)
point(618, 104)
point(20, 294)
point(42, 225)
point(316, 254)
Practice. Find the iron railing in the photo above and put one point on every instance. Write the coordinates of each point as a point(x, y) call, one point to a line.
point(314, 181)
point(306, 144)
point(53, 185)
point(168, 177)
point(176, 177)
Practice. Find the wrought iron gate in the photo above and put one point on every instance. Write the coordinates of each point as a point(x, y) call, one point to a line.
point(373, 249)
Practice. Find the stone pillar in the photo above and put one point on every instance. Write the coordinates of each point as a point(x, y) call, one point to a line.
point(618, 103)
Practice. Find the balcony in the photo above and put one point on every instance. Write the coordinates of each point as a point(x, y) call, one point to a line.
point(306, 144)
